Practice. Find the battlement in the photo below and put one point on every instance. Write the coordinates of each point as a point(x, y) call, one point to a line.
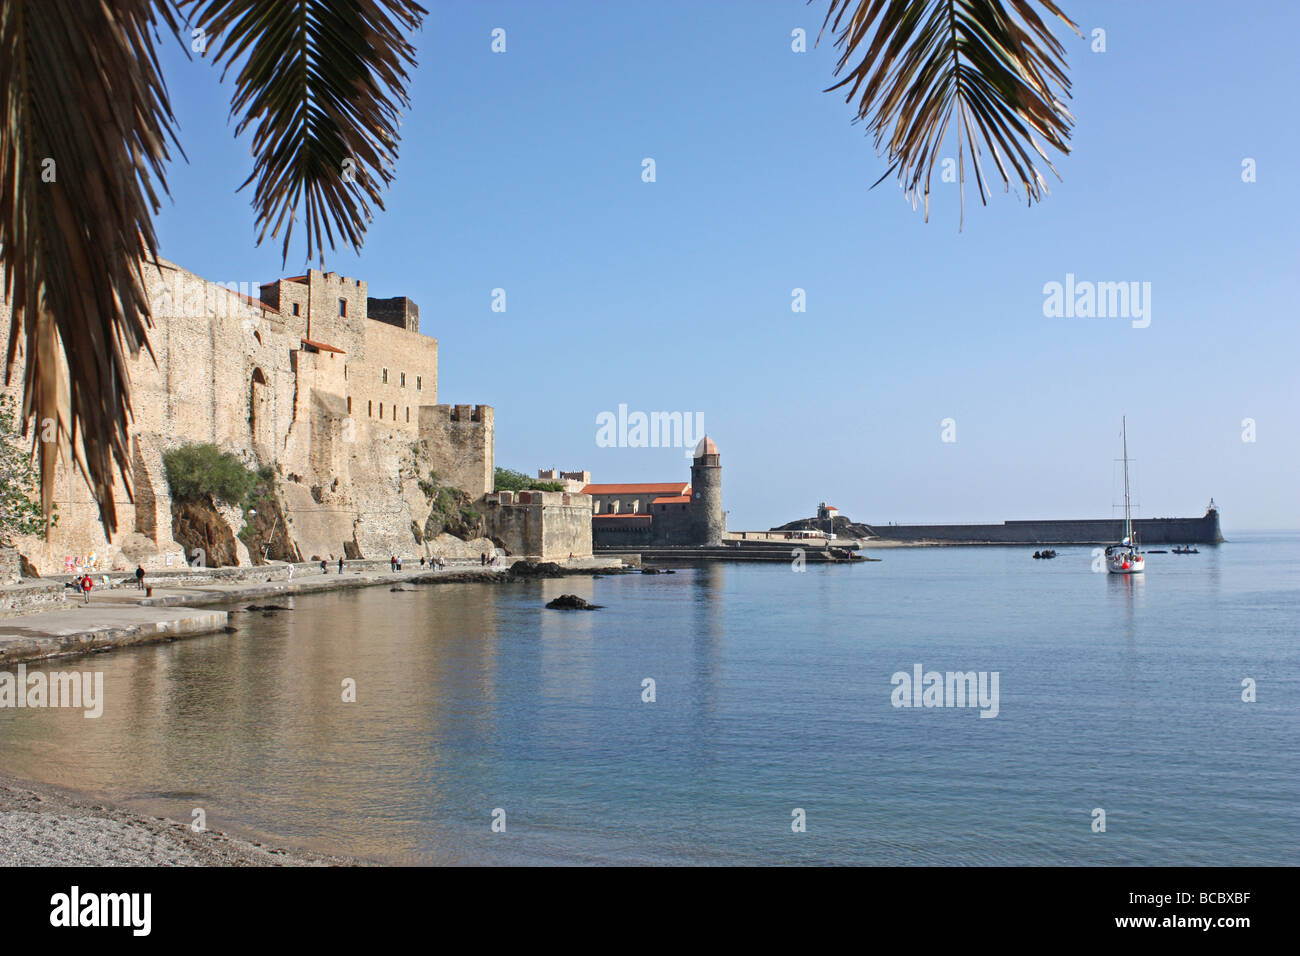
point(458, 412)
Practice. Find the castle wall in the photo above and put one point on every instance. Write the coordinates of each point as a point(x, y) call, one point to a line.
point(546, 525)
point(458, 442)
point(234, 371)
point(410, 363)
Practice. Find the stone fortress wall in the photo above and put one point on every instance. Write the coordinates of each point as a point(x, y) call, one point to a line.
point(343, 407)
point(540, 524)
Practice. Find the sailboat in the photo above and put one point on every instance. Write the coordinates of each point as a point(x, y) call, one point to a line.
point(1126, 557)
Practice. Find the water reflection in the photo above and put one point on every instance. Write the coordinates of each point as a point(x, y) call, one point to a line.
point(771, 687)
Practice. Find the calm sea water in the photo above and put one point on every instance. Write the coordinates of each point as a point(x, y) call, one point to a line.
point(773, 693)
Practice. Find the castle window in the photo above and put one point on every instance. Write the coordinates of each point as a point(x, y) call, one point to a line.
point(349, 404)
point(370, 409)
point(408, 413)
point(419, 382)
point(403, 380)
point(385, 376)
point(381, 411)
point(345, 373)
point(295, 308)
point(343, 308)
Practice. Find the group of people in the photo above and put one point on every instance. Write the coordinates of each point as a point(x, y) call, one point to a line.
point(83, 583)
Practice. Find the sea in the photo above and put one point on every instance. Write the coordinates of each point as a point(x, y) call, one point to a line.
point(732, 714)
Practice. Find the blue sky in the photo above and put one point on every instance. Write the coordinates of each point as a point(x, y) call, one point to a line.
point(522, 171)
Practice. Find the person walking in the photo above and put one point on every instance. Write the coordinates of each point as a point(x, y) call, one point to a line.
point(399, 564)
point(340, 565)
point(139, 577)
point(324, 569)
point(86, 584)
point(291, 567)
point(392, 563)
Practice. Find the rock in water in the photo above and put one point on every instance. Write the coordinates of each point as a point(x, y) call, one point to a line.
point(571, 602)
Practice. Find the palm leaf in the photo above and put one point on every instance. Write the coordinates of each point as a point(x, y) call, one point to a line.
point(994, 62)
point(322, 81)
point(83, 102)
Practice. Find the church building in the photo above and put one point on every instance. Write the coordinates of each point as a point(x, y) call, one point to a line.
point(662, 513)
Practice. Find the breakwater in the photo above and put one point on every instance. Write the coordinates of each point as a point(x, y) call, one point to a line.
point(810, 552)
point(1203, 530)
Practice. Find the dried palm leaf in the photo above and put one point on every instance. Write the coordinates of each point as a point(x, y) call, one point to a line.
point(322, 81)
point(84, 135)
point(993, 61)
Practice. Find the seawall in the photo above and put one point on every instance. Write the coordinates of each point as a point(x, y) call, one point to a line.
point(1150, 531)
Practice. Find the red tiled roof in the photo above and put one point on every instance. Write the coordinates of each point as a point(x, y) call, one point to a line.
point(674, 500)
point(628, 515)
point(662, 488)
point(322, 346)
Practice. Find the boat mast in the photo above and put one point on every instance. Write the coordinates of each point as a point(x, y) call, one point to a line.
point(1128, 520)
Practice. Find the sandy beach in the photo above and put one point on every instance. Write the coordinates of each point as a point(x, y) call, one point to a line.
point(42, 825)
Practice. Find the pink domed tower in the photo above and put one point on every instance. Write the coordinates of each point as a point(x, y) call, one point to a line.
point(707, 520)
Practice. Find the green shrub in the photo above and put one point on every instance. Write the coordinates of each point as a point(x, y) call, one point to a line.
point(204, 471)
point(20, 507)
point(507, 479)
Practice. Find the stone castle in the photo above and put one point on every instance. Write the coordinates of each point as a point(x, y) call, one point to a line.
point(337, 393)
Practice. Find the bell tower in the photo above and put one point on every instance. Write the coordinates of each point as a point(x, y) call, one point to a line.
point(707, 520)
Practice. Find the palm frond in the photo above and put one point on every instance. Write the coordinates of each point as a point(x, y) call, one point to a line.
point(323, 82)
point(995, 62)
point(85, 130)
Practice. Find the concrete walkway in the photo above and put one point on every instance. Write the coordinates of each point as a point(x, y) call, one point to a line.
point(81, 628)
point(123, 615)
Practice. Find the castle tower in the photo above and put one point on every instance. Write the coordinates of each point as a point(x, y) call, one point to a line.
point(707, 519)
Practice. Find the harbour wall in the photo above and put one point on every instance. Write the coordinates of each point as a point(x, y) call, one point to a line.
point(1150, 531)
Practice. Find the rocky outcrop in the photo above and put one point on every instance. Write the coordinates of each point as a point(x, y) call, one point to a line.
point(448, 546)
point(571, 602)
point(201, 530)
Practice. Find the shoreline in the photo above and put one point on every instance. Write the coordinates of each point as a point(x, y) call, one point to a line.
point(121, 617)
point(43, 824)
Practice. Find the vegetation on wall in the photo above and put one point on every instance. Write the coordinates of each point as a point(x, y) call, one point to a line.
point(20, 509)
point(450, 510)
point(195, 472)
point(507, 479)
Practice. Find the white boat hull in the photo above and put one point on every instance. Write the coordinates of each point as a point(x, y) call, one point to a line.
point(1126, 563)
